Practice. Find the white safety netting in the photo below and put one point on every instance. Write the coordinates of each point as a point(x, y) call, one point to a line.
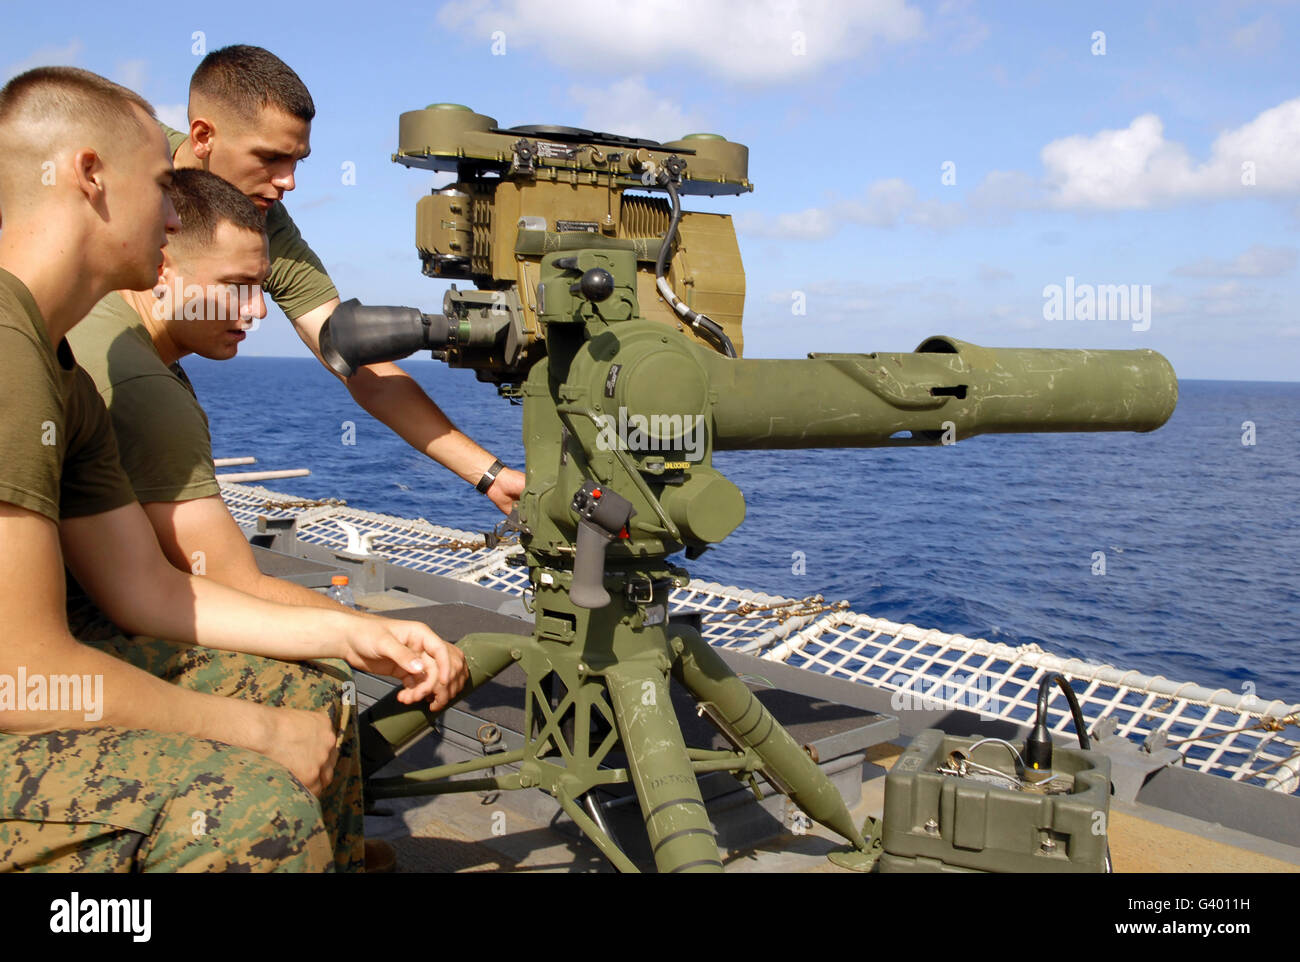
point(1242, 737)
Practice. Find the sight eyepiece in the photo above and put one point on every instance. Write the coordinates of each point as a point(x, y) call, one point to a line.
point(356, 335)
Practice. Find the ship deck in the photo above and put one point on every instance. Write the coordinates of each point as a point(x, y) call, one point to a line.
point(451, 834)
point(524, 832)
point(1220, 801)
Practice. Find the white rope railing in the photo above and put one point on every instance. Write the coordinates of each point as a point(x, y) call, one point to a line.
point(1215, 730)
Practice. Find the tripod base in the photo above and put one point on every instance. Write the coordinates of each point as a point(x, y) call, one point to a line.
point(580, 709)
point(862, 859)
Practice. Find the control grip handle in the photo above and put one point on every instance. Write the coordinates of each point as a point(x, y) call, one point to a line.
point(603, 515)
point(588, 589)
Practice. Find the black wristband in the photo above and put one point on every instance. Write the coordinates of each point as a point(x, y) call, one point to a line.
point(489, 476)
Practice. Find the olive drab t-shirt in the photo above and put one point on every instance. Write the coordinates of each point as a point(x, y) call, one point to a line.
point(298, 282)
point(162, 432)
point(58, 456)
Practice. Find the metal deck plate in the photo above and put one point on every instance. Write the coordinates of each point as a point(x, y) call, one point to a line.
point(309, 574)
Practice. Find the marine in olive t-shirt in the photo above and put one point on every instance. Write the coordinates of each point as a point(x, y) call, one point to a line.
point(162, 431)
point(298, 282)
point(59, 456)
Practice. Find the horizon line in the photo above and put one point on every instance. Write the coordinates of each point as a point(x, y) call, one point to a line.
point(429, 360)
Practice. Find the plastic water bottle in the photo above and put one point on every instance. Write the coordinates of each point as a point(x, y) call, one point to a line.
point(340, 591)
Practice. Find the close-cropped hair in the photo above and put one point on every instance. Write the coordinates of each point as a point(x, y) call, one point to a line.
point(246, 79)
point(203, 201)
point(70, 94)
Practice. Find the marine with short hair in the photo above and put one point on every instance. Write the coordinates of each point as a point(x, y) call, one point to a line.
point(250, 121)
point(162, 778)
point(131, 343)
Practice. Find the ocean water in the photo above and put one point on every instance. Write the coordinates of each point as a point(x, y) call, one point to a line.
point(994, 537)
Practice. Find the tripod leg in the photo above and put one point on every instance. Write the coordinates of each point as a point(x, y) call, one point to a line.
point(392, 724)
point(676, 821)
point(707, 677)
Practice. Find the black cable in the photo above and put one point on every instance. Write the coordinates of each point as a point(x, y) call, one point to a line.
point(698, 321)
point(661, 262)
point(1080, 726)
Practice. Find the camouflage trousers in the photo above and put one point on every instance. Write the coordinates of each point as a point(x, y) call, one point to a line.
point(108, 799)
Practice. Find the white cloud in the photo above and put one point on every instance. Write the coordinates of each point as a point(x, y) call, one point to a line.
point(964, 29)
point(841, 300)
point(1224, 299)
point(47, 56)
point(132, 74)
point(631, 108)
point(936, 215)
point(1253, 308)
point(1225, 314)
point(985, 314)
point(1259, 36)
point(1133, 168)
point(885, 204)
point(1258, 261)
point(1138, 167)
point(757, 41)
point(173, 115)
point(1002, 189)
point(988, 274)
point(813, 223)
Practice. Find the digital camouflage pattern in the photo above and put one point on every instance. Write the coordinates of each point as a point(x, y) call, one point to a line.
point(324, 685)
point(123, 800)
point(101, 790)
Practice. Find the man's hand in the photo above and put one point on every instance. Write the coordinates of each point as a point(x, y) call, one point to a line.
point(411, 652)
point(507, 489)
point(305, 743)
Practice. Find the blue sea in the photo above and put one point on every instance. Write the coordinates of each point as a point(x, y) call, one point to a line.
point(995, 537)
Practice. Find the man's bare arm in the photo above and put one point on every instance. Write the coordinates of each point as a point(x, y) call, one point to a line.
point(116, 558)
point(200, 536)
point(392, 396)
point(37, 641)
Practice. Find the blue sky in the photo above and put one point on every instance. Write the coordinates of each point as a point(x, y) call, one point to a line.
point(1115, 167)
